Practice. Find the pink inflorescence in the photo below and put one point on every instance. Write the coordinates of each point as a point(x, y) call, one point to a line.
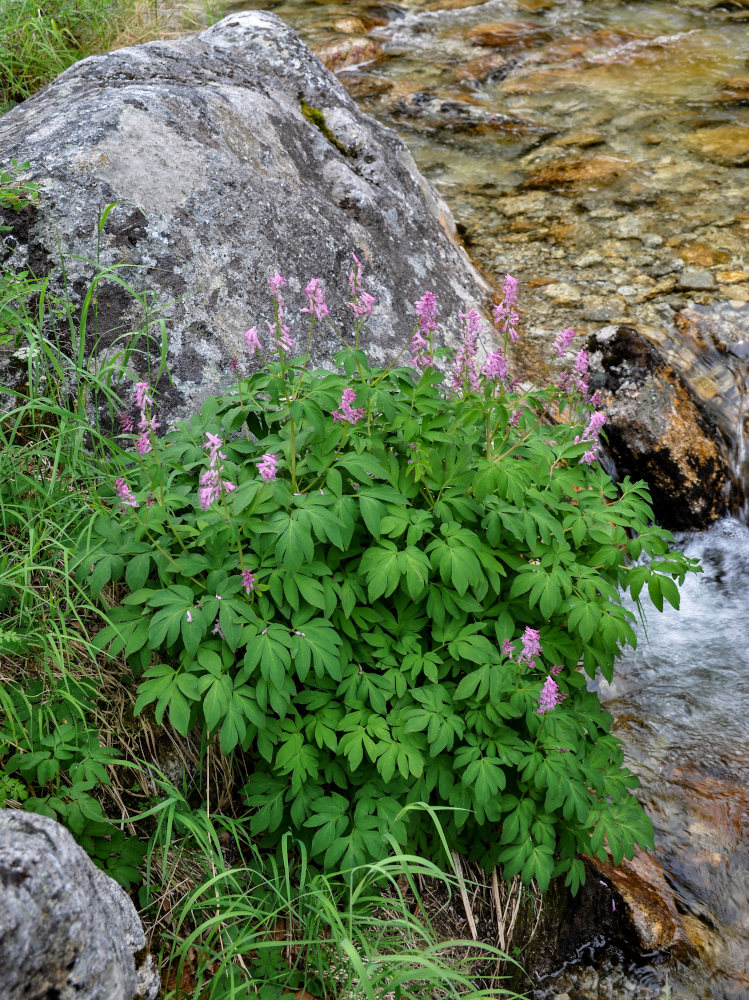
point(361, 303)
point(126, 423)
point(420, 346)
point(316, 304)
point(464, 366)
point(531, 646)
point(550, 697)
point(252, 341)
point(279, 329)
point(147, 424)
point(508, 648)
point(347, 414)
point(211, 483)
point(505, 315)
point(495, 367)
point(248, 580)
point(591, 434)
point(562, 341)
point(267, 467)
point(126, 495)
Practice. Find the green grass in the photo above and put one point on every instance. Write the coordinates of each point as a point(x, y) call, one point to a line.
point(40, 40)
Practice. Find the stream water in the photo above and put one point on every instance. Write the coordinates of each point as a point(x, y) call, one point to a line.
point(599, 152)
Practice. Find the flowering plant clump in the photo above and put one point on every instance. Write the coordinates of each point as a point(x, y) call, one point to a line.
point(387, 587)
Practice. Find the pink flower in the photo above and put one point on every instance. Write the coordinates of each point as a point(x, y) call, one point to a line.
point(557, 669)
point(142, 399)
point(126, 422)
point(589, 457)
point(426, 312)
point(267, 467)
point(591, 432)
point(216, 630)
point(505, 315)
point(363, 302)
point(464, 366)
point(346, 414)
point(252, 341)
point(316, 304)
point(495, 367)
point(143, 445)
point(248, 580)
point(276, 283)
point(212, 443)
point(146, 424)
point(126, 495)
point(362, 306)
point(508, 648)
point(531, 647)
point(562, 341)
point(549, 697)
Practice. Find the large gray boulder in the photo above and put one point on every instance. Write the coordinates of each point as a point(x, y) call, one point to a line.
point(67, 930)
point(234, 153)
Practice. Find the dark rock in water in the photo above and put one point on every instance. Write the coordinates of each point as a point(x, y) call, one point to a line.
point(649, 901)
point(67, 930)
point(234, 153)
point(657, 430)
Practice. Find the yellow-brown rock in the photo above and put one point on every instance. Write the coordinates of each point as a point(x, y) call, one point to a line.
point(504, 34)
point(343, 53)
point(593, 171)
point(727, 145)
point(649, 901)
point(478, 70)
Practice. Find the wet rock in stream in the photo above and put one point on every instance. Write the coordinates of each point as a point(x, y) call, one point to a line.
point(657, 431)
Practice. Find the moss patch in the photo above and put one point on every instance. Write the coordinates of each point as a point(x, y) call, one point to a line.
point(317, 118)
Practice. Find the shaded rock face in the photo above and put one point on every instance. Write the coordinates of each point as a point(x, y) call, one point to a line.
point(657, 431)
point(223, 180)
point(67, 930)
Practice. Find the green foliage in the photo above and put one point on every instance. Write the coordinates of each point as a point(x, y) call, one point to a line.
point(397, 562)
point(40, 40)
point(272, 924)
point(52, 762)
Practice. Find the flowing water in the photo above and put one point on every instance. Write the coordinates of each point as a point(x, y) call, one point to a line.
point(599, 152)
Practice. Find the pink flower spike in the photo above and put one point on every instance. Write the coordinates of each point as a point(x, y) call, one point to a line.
point(562, 341)
point(142, 399)
point(126, 495)
point(531, 647)
point(549, 697)
point(276, 283)
point(347, 414)
point(126, 422)
point(143, 445)
point(557, 669)
point(252, 340)
point(248, 580)
point(316, 304)
point(267, 467)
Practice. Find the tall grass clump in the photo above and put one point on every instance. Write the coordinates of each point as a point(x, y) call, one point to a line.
point(40, 40)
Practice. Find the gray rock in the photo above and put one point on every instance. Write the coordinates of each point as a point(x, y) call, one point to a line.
point(234, 153)
point(697, 281)
point(67, 930)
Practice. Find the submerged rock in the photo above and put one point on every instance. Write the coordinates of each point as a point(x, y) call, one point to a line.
point(67, 930)
point(657, 430)
point(232, 153)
